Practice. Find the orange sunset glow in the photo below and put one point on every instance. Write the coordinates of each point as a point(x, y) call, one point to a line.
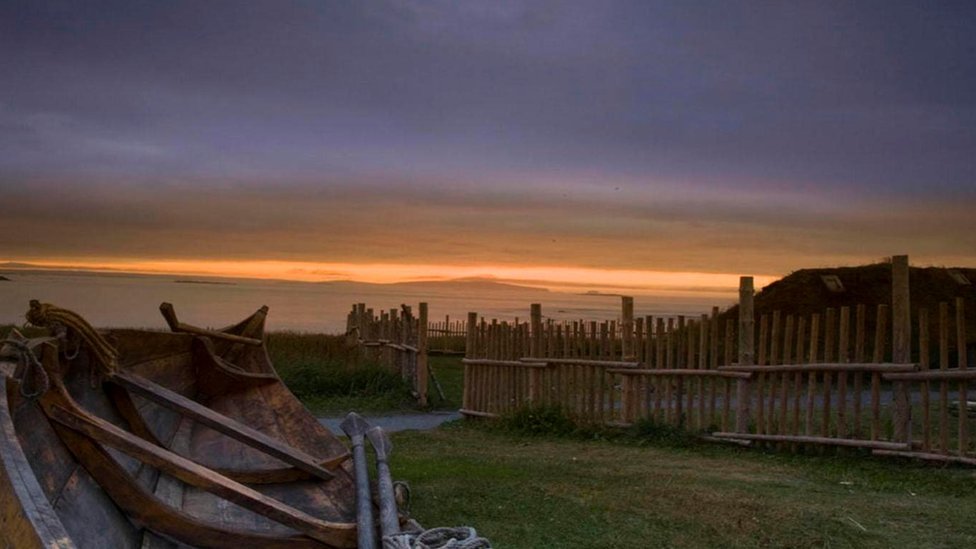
point(556, 278)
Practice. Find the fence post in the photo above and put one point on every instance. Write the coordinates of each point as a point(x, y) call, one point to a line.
point(535, 348)
point(469, 352)
point(627, 328)
point(963, 363)
point(901, 342)
point(747, 352)
point(422, 356)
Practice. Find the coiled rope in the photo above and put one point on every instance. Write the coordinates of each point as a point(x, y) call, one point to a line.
point(46, 315)
point(461, 537)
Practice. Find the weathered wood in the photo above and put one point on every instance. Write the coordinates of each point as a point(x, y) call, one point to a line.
point(470, 352)
point(713, 363)
point(684, 372)
point(825, 367)
point(761, 377)
point(169, 313)
point(801, 328)
point(962, 365)
point(727, 359)
point(746, 351)
point(535, 316)
point(543, 363)
point(226, 425)
point(28, 519)
point(476, 413)
point(338, 534)
point(901, 335)
point(879, 354)
point(829, 441)
point(926, 456)
point(923, 358)
point(111, 492)
point(843, 341)
point(943, 385)
point(812, 376)
point(627, 327)
point(422, 364)
point(774, 358)
point(786, 379)
point(859, 335)
point(581, 362)
point(829, 327)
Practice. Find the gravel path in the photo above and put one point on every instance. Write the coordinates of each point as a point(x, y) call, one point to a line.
point(398, 422)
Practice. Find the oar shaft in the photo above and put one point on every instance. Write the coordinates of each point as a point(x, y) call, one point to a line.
point(389, 519)
point(355, 426)
point(366, 532)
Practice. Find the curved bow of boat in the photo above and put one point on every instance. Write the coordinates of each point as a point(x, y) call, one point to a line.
point(193, 440)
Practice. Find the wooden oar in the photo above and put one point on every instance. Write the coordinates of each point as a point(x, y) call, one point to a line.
point(356, 426)
point(389, 519)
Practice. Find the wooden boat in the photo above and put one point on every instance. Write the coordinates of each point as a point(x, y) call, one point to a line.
point(133, 438)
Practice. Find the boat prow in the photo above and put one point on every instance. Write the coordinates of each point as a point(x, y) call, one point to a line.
point(167, 440)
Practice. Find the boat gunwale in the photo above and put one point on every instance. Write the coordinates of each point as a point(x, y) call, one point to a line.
point(29, 505)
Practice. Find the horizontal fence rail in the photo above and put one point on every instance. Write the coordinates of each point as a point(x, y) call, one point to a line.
point(787, 380)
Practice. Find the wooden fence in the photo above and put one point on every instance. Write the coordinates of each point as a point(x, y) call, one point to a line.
point(395, 338)
point(787, 380)
point(446, 337)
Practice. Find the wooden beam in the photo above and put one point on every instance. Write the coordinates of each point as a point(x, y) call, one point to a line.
point(934, 375)
point(26, 515)
point(475, 413)
point(901, 344)
point(97, 429)
point(747, 352)
point(169, 313)
point(854, 443)
point(223, 424)
point(492, 362)
point(582, 362)
point(680, 372)
point(825, 367)
point(421, 374)
point(927, 456)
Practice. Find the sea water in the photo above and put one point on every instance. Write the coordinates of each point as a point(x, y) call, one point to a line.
point(129, 300)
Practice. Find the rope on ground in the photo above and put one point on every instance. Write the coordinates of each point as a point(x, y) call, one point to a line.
point(460, 537)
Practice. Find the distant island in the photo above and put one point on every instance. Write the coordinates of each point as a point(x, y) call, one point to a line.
point(4, 279)
point(218, 283)
point(600, 294)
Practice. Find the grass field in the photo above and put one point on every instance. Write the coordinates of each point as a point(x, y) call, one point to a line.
point(524, 492)
point(525, 488)
point(331, 378)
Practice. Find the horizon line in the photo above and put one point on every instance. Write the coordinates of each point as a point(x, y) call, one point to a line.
point(554, 278)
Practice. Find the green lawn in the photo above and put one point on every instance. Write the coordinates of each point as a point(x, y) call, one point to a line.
point(550, 492)
point(450, 373)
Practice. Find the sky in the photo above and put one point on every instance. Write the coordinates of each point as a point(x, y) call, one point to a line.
point(626, 143)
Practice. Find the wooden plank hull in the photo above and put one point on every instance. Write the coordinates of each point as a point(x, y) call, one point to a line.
point(226, 457)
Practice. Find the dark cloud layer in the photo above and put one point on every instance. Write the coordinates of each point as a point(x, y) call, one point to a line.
point(776, 126)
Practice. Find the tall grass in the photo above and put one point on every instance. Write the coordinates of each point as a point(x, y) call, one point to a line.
point(330, 377)
point(327, 375)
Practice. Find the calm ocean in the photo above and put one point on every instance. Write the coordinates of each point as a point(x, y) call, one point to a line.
point(121, 300)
